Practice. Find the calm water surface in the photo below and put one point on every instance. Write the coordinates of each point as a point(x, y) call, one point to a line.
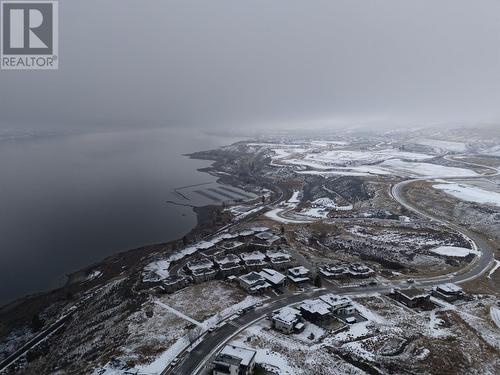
point(68, 201)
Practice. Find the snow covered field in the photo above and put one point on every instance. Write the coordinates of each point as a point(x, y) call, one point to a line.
point(470, 193)
point(175, 321)
point(324, 161)
point(452, 251)
point(347, 157)
point(404, 168)
point(443, 145)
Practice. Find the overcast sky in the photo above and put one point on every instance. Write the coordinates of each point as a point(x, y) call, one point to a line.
point(240, 64)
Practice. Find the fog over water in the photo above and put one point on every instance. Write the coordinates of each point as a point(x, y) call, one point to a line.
point(68, 201)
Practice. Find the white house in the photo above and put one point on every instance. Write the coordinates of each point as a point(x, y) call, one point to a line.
point(253, 282)
point(234, 360)
point(299, 275)
point(339, 305)
point(279, 258)
point(273, 277)
point(287, 320)
point(254, 259)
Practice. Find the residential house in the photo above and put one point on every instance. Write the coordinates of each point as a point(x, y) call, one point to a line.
point(316, 311)
point(234, 360)
point(267, 238)
point(231, 245)
point(279, 259)
point(358, 270)
point(299, 275)
point(174, 283)
point(276, 279)
point(334, 271)
point(201, 270)
point(287, 320)
point(253, 282)
point(339, 305)
point(229, 264)
point(254, 260)
point(449, 292)
point(412, 297)
point(341, 270)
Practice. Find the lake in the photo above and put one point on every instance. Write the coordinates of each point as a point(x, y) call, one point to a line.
point(69, 201)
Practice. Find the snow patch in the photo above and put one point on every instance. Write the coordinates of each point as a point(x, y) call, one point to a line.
point(470, 193)
point(452, 251)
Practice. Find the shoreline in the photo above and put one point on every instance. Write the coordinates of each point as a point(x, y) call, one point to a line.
point(114, 265)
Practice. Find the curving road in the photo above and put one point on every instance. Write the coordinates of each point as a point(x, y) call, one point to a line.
point(194, 361)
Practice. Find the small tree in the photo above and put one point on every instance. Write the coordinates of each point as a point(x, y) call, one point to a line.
point(318, 282)
point(36, 323)
point(194, 333)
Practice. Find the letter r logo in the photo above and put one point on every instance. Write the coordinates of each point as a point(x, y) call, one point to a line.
point(27, 28)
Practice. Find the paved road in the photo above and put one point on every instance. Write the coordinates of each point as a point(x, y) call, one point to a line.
point(478, 241)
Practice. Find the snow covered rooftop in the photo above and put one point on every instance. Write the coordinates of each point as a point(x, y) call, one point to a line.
point(298, 271)
point(287, 315)
point(259, 229)
point(278, 255)
point(227, 259)
point(231, 244)
point(332, 269)
point(200, 264)
point(244, 355)
point(274, 277)
point(252, 278)
point(335, 301)
point(247, 232)
point(264, 235)
point(253, 256)
point(449, 288)
point(413, 293)
point(316, 306)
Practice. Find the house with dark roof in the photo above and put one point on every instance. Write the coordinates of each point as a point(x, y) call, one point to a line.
point(201, 270)
point(316, 311)
point(299, 275)
point(448, 292)
point(174, 283)
point(229, 264)
point(360, 271)
point(412, 297)
point(279, 259)
point(254, 260)
point(334, 271)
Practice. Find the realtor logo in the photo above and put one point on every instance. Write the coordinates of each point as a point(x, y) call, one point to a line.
point(29, 34)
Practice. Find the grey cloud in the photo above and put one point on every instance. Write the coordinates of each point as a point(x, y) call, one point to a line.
point(242, 64)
